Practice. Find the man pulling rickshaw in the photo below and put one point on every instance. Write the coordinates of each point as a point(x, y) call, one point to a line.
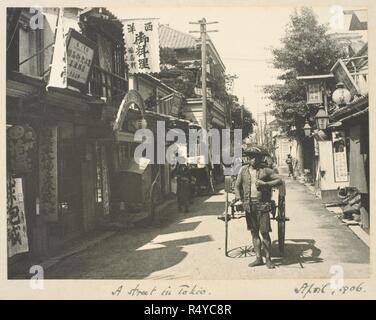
point(253, 191)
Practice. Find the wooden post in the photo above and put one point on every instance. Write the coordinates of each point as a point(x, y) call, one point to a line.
point(325, 98)
point(226, 224)
point(203, 72)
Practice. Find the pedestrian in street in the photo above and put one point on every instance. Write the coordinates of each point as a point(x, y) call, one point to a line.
point(290, 165)
point(253, 191)
point(182, 172)
point(192, 184)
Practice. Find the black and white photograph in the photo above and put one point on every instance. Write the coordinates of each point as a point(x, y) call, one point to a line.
point(188, 142)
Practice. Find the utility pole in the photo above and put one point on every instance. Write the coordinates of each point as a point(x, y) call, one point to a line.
point(204, 124)
point(203, 33)
point(242, 112)
point(265, 130)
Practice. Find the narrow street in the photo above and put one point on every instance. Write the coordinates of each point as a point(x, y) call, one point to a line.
point(191, 246)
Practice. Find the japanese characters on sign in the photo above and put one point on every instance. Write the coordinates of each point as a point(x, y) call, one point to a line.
point(105, 182)
point(142, 46)
point(16, 220)
point(58, 74)
point(80, 58)
point(314, 93)
point(48, 173)
point(339, 156)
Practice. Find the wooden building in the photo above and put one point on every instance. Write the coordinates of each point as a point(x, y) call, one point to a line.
point(65, 185)
point(187, 51)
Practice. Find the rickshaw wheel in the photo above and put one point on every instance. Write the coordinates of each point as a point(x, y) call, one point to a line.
point(281, 225)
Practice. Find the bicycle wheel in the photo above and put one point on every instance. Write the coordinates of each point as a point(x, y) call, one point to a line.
point(281, 218)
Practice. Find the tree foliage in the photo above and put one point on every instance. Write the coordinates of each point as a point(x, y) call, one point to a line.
point(184, 77)
point(307, 49)
point(175, 74)
point(247, 123)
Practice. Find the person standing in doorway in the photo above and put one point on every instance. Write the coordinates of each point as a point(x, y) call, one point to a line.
point(192, 183)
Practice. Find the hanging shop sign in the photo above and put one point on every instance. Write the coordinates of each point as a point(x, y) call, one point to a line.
point(72, 58)
point(142, 41)
point(339, 156)
point(314, 93)
point(48, 173)
point(16, 219)
point(80, 55)
point(58, 72)
point(21, 141)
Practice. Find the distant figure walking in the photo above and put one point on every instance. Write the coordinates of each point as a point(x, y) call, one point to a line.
point(290, 165)
point(184, 187)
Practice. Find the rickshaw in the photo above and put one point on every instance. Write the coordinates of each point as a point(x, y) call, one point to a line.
point(277, 212)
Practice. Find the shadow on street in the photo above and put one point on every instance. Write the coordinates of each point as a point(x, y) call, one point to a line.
point(297, 251)
point(132, 254)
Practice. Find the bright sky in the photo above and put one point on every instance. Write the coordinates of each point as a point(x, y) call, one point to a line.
point(244, 37)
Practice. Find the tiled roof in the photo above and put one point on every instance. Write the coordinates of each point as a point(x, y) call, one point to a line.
point(174, 39)
point(104, 11)
point(356, 46)
point(359, 103)
point(158, 81)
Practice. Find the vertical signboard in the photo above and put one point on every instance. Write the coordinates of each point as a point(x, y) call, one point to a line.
point(142, 42)
point(48, 173)
point(58, 72)
point(105, 182)
point(339, 156)
point(80, 55)
point(72, 58)
point(314, 93)
point(16, 219)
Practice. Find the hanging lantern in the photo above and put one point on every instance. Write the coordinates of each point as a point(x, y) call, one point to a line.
point(307, 129)
point(341, 96)
point(322, 119)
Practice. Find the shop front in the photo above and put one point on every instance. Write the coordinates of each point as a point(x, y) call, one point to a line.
point(51, 170)
point(352, 122)
point(130, 181)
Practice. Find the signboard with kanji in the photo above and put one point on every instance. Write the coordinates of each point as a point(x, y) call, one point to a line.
point(80, 55)
point(314, 93)
point(16, 218)
point(48, 171)
point(142, 45)
point(339, 156)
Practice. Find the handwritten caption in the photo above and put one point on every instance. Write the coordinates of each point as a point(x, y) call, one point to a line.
point(169, 290)
point(312, 289)
point(141, 291)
